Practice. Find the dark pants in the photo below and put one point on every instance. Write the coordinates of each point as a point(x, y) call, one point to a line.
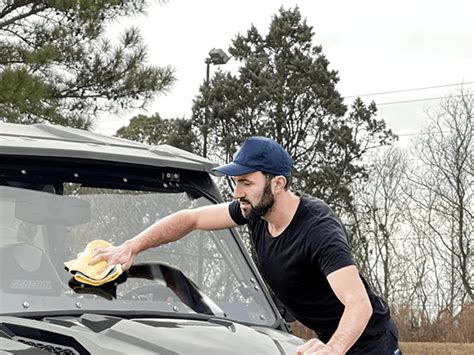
point(386, 344)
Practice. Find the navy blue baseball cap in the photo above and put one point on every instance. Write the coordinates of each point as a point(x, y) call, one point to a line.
point(258, 154)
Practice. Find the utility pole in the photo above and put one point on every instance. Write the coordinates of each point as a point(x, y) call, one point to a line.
point(216, 57)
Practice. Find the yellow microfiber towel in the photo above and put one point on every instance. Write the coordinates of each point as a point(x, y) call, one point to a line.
point(88, 274)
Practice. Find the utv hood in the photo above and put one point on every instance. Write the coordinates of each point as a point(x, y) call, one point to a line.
point(100, 334)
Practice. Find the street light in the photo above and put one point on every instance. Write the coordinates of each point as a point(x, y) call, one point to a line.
point(217, 57)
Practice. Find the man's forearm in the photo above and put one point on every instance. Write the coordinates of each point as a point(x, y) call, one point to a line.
point(353, 322)
point(168, 229)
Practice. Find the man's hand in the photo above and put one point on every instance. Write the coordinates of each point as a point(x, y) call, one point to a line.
point(122, 254)
point(317, 347)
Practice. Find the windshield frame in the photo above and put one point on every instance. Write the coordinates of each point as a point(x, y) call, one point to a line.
point(56, 171)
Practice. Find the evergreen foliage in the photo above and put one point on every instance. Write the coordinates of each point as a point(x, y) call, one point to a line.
point(285, 90)
point(155, 130)
point(56, 65)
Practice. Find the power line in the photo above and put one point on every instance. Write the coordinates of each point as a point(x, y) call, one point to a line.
point(408, 90)
point(415, 100)
point(421, 133)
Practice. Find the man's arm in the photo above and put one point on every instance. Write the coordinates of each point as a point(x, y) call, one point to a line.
point(350, 290)
point(168, 229)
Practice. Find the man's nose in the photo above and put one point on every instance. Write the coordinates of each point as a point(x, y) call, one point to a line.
point(238, 194)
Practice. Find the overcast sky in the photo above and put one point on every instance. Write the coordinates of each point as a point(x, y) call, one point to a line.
point(376, 46)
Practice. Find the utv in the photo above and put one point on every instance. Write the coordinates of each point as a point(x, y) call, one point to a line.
point(61, 188)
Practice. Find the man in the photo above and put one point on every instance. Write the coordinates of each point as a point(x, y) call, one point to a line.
point(302, 250)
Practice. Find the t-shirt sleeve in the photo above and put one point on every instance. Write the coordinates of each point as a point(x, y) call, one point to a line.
point(236, 213)
point(328, 246)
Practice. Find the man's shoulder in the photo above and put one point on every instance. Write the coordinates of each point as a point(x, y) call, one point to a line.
point(314, 206)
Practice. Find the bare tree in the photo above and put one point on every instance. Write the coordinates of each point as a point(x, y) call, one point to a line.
point(442, 193)
point(378, 229)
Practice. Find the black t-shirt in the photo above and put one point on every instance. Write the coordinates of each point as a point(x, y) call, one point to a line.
point(296, 264)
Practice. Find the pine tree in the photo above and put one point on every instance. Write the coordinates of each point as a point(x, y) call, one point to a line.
point(57, 66)
point(286, 91)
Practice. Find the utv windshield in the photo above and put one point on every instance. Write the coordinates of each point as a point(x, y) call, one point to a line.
point(204, 272)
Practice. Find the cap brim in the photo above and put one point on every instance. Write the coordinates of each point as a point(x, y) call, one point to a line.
point(232, 169)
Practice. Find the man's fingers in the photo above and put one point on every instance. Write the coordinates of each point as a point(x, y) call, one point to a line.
point(113, 256)
point(302, 348)
point(103, 269)
point(96, 259)
point(309, 347)
point(98, 255)
point(99, 250)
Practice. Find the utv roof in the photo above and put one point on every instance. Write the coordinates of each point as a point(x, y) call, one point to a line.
point(64, 142)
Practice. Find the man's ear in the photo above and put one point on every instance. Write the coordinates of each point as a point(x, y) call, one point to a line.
point(279, 183)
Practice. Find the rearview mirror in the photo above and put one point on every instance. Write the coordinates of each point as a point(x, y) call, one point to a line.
point(49, 209)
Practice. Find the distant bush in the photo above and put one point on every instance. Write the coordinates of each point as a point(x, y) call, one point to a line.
point(414, 327)
point(446, 327)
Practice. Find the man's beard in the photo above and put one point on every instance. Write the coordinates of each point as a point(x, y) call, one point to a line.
point(261, 207)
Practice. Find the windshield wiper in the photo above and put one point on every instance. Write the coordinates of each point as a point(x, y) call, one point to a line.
point(187, 291)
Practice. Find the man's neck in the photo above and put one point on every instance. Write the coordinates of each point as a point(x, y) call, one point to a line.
point(282, 212)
